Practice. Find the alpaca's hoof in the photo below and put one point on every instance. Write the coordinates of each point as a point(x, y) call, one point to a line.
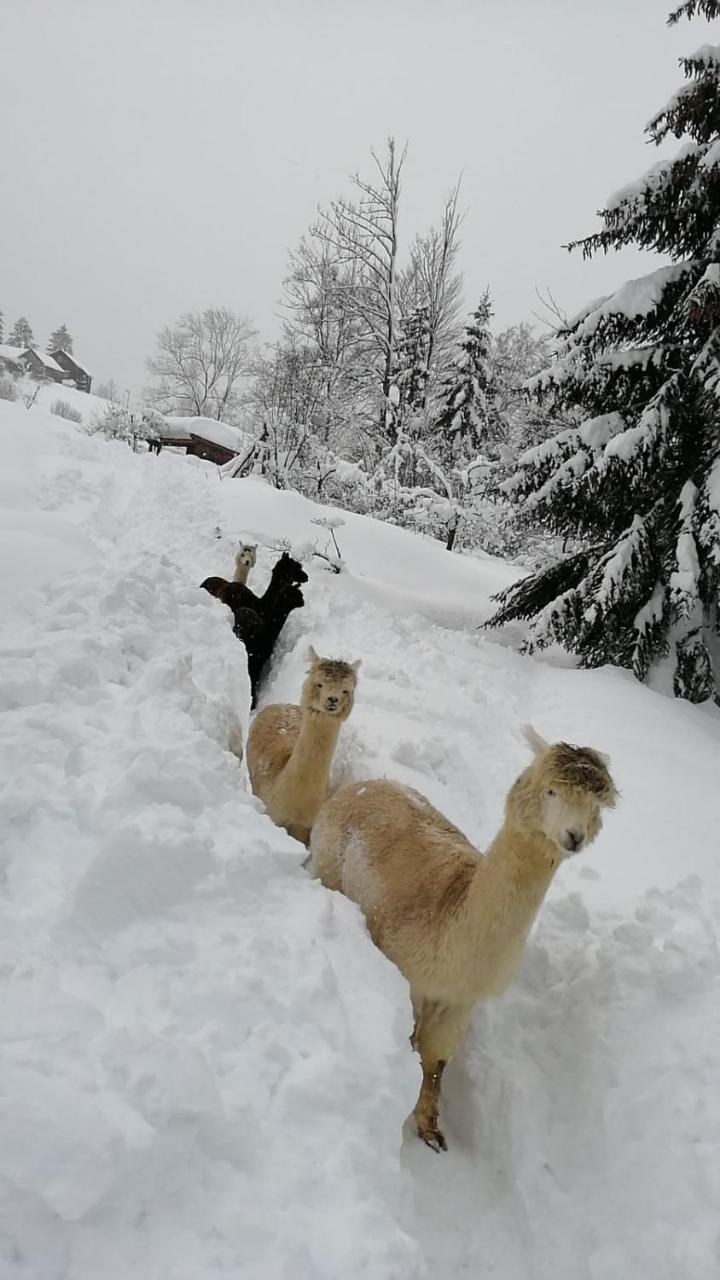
point(432, 1137)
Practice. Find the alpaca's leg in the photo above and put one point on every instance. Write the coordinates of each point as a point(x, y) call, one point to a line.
point(439, 1028)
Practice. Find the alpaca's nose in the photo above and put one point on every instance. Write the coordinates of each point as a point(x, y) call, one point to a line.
point(573, 840)
point(332, 702)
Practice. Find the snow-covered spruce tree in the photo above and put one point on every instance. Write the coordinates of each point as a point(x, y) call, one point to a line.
point(22, 334)
point(61, 340)
point(461, 424)
point(636, 482)
point(413, 353)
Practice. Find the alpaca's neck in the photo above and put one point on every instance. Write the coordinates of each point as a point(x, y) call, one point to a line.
point(276, 618)
point(271, 590)
point(313, 752)
point(503, 899)
point(241, 572)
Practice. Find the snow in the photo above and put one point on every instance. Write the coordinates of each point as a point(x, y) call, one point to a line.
point(635, 298)
point(596, 432)
point(11, 353)
point(707, 55)
point(651, 611)
point(76, 362)
point(711, 159)
point(89, 406)
point(208, 429)
point(48, 361)
point(205, 1070)
point(652, 179)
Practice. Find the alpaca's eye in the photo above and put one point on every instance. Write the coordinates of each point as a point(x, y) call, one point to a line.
point(550, 791)
point(318, 686)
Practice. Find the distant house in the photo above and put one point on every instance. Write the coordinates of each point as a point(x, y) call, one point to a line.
point(79, 375)
point(10, 361)
point(204, 438)
point(41, 366)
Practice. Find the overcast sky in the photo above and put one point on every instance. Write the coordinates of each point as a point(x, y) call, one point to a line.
point(163, 155)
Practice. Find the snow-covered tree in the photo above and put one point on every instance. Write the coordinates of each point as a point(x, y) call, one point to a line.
point(22, 334)
point(363, 236)
point(462, 421)
point(107, 390)
point(413, 356)
point(431, 284)
point(518, 353)
point(200, 364)
point(636, 477)
point(61, 340)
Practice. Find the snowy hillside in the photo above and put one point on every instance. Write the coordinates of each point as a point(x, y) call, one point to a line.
point(88, 405)
point(205, 1067)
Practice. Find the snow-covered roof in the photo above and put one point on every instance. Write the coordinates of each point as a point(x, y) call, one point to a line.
point(74, 359)
point(47, 360)
point(17, 353)
point(11, 353)
point(208, 429)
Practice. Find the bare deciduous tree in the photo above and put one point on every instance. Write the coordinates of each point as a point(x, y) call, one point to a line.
point(286, 404)
point(430, 281)
point(364, 236)
point(200, 364)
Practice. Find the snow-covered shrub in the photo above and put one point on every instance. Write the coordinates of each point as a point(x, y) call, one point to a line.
point(8, 388)
point(115, 423)
point(118, 423)
point(331, 554)
point(64, 410)
point(28, 390)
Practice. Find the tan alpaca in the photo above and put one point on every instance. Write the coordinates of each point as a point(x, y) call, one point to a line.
point(245, 560)
point(453, 921)
point(290, 748)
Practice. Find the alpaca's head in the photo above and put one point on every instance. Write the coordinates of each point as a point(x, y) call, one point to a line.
point(247, 555)
point(287, 571)
point(329, 687)
point(216, 586)
point(562, 793)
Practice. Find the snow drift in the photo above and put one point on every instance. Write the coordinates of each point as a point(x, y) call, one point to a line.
point(205, 1069)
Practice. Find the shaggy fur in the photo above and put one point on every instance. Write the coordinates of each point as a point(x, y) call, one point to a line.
point(245, 560)
point(453, 921)
point(290, 748)
point(260, 634)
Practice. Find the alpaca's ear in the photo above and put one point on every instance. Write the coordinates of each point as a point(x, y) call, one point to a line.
point(537, 745)
point(356, 665)
point(311, 656)
point(253, 546)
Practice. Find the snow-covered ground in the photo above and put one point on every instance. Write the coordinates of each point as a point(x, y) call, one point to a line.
point(88, 405)
point(204, 1069)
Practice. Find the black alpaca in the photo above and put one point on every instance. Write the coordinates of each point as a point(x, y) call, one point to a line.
point(286, 572)
point(260, 634)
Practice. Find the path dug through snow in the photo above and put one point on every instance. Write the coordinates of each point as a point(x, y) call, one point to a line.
point(205, 1068)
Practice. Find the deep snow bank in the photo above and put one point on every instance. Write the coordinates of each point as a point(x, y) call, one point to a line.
point(205, 1066)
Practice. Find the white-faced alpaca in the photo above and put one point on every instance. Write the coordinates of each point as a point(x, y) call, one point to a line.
point(290, 748)
point(453, 921)
point(245, 560)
